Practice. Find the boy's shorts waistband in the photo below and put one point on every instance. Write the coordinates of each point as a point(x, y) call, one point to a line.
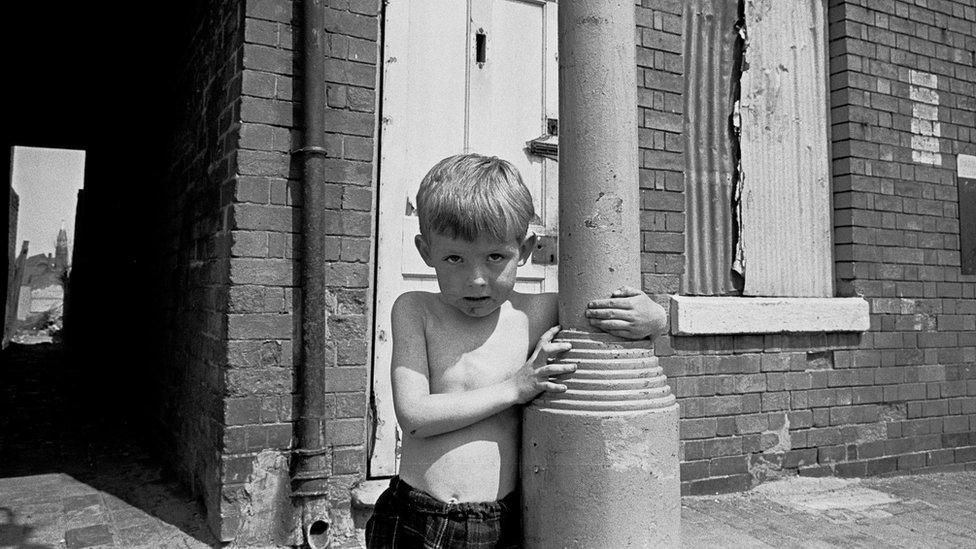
point(425, 503)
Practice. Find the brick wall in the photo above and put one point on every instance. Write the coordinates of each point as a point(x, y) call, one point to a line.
point(190, 323)
point(264, 206)
point(901, 396)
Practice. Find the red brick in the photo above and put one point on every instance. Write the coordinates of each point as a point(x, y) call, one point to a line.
point(266, 111)
point(698, 428)
point(242, 411)
point(279, 436)
point(693, 470)
point(249, 244)
point(344, 380)
point(259, 382)
point(270, 272)
point(346, 432)
point(347, 461)
point(274, 10)
point(717, 485)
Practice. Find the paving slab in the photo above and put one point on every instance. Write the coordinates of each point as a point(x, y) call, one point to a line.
point(927, 510)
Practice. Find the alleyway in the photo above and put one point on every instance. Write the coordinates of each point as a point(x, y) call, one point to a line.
point(74, 471)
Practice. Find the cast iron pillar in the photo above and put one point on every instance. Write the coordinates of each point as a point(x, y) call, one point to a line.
point(600, 462)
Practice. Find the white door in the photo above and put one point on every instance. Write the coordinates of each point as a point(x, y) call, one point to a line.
point(459, 76)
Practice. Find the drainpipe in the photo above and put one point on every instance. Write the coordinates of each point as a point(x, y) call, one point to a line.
point(310, 467)
point(600, 461)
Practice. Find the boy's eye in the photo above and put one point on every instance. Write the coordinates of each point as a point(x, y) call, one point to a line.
point(496, 257)
point(453, 259)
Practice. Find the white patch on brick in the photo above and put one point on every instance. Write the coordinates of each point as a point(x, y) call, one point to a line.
point(924, 95)
point(264, 505)
point(966, 166)
point(926, 129)
point(924, 79)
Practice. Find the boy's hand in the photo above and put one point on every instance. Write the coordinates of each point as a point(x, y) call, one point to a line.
point(534, 376)
point(629, 313)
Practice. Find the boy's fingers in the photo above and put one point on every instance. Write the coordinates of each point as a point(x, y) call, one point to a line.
point(544, 340)
point(551, 387)
point(610, 325)
point(625, 291)
point(616, 303)
point(550, 349)
point(556, 369)
point(623, 314)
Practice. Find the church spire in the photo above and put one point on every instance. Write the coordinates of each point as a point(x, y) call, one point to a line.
point(61, 250)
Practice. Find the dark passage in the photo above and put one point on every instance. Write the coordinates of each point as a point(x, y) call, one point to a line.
point(76, 465)
point(71, 471)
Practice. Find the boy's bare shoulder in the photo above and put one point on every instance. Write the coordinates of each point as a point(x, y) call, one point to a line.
point(414, 304)
point(414, 298)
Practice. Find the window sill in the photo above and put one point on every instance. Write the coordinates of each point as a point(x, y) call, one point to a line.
point(695, 315)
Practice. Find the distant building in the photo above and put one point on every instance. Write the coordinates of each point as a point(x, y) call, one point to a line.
point(42, 285)
point(61, 251)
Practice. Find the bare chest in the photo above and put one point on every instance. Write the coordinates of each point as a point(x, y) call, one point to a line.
point(466, 360)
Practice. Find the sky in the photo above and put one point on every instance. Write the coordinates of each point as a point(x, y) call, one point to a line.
point(47, 182)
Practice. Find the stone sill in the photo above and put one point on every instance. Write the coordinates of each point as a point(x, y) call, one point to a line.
point(695, 315)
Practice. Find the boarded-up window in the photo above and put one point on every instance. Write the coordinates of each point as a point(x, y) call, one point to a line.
point(712, 53)
point(769, 218)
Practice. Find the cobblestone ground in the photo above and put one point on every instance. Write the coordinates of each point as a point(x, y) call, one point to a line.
point(74, 473)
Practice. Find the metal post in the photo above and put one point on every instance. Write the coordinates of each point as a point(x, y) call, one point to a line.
point(600, 462)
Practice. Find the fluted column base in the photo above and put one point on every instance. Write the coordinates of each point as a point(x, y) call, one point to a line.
point(600, 462)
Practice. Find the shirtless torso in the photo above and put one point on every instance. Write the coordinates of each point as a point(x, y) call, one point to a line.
point(477, 462)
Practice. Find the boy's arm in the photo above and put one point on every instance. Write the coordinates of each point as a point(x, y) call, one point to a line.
point(422, 414)
point(629, 313)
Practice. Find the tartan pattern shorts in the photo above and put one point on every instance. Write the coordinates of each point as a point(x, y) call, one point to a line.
point(407, 517)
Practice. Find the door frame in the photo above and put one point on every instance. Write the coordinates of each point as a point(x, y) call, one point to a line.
point(390, 27)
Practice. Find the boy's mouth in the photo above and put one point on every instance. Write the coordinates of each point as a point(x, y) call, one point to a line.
point(478, 299)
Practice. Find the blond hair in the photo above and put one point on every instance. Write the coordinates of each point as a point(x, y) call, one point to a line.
point(471, 195)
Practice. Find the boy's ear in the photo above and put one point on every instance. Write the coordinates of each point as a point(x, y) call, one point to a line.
point(423, 248)
point(527, 247)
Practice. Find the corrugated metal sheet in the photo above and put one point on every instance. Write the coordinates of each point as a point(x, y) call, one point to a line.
point(786, 234)
point(710, 51)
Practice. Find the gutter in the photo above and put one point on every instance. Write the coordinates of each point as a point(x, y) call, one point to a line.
point(310, 467)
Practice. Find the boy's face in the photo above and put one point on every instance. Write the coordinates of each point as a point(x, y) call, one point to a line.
point(475, 277)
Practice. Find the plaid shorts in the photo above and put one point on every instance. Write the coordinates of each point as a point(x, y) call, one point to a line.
point(407, 517)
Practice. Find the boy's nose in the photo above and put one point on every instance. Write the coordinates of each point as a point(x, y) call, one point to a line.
point(479, 276)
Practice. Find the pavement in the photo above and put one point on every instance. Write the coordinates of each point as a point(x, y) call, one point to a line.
point(78, 471)
point(70, 479)
point(929, 510)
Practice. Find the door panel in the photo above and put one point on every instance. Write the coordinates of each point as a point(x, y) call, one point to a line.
point(443, 94)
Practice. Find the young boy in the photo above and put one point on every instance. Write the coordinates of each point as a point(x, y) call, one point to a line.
point(464, 359)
